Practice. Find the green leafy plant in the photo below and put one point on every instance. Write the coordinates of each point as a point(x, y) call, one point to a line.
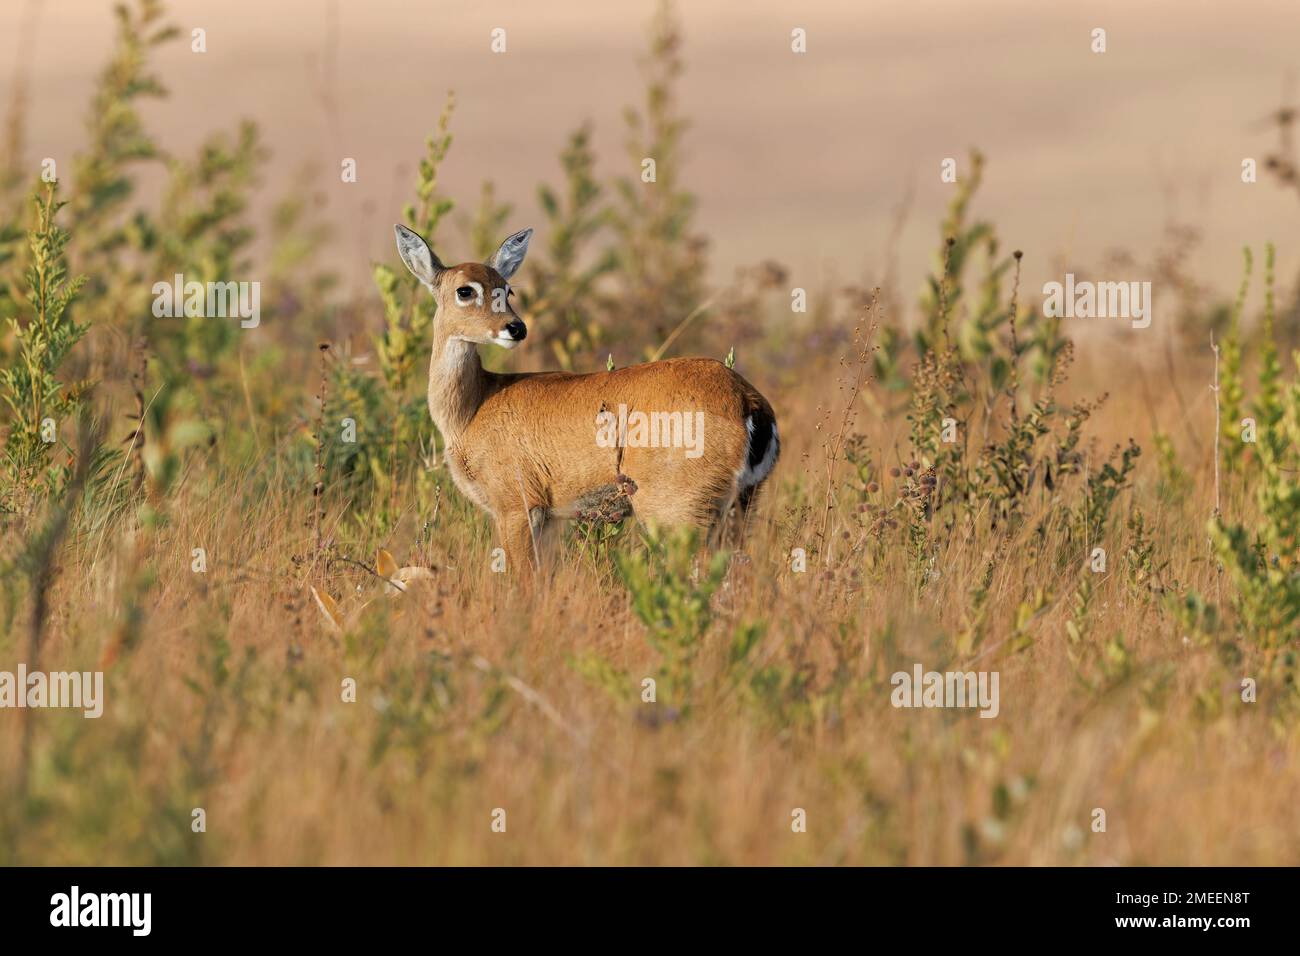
point(564, 301)
point(37, 398)
point(671, 585)
point(661, 262)
point(392, 421)
point(1260, 557)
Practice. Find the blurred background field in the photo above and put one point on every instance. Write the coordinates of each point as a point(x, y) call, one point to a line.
point(803, 158)
point(877, 544)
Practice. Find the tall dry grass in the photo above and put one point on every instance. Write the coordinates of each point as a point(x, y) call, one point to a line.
point(229, 698)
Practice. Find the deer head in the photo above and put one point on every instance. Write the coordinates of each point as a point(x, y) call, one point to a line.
point(473, 297)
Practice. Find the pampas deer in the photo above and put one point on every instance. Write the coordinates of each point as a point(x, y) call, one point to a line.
point(680, 441)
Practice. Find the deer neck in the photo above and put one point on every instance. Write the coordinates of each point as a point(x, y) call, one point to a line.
point(458, 384)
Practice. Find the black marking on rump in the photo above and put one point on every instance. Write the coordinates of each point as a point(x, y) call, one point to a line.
point(764, 429)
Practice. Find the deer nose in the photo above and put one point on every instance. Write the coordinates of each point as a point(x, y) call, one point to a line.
point(517, 330)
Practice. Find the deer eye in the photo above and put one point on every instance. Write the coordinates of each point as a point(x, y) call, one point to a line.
point(465, 293)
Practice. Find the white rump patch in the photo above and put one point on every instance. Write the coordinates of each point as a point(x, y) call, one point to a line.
point(748, 477)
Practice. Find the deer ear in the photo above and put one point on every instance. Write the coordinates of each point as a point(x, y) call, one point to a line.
point(385, 564)
point(417, 255)
point(510, 256)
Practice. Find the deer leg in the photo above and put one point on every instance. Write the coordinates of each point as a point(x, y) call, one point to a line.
point(523, 535)
point(720, 521)
point(516, 534)
point(733, 525)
